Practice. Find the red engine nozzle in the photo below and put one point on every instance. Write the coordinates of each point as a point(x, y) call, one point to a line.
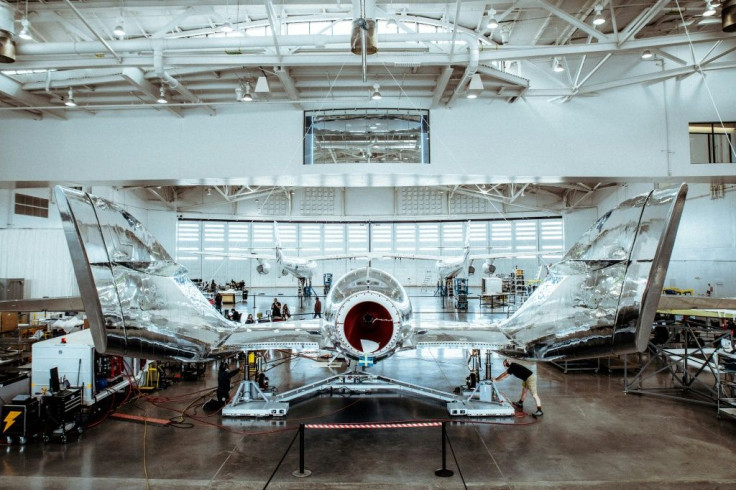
point(368, 327)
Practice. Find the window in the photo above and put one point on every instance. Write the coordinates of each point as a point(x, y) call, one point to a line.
point(366, 136)
point(712, 142)
point(31, 206)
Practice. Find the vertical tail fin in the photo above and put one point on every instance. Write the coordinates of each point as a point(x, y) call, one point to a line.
point(139, 302)
point(602, 297)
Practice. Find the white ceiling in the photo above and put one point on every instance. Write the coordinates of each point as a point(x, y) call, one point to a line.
point(428, 52)
point(426, 59)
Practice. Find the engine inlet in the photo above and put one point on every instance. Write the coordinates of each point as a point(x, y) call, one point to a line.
point(368, 327)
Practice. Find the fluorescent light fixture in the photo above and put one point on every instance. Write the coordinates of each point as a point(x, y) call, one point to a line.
point(492, 21)
point(25, 32)
point(376, 95)
point(69, 102)
point(162, 96)
point(557, 66)
point(599, 20)
point(647, 54)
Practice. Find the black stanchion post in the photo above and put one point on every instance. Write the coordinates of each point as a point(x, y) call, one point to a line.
point(444, 472)
point(302, 472)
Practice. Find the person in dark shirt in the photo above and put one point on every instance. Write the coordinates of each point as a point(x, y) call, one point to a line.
point(218, 302)
point(317, 308)
point(528, 383)
point(235, 315)
point(223, 382)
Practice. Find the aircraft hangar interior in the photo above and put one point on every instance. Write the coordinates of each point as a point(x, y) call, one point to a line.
point(368, 244)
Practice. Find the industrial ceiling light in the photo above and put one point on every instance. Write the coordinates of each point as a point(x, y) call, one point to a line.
point(247, 97)
point(492, 21)
point(69, 102)
point(599, 20)
point(710, 9)
point(262, 85)
point(647, 54)
point(475, 87)
point(557, 66)
point(376, 95)
point(119, 30)
point(25, 32)
point(227, 27)
point(162, 96)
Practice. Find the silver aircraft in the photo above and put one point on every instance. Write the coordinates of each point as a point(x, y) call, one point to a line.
point(449, 267)
point(600, 299)
point(300, 267)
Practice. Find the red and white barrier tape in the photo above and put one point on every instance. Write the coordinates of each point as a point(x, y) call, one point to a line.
point(411, 425)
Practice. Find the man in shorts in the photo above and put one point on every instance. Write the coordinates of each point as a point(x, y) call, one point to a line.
point(528, 383)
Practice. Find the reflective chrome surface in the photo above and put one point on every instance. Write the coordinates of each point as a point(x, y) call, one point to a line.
point(355, 291)
point(138, 300)
point(601, 298)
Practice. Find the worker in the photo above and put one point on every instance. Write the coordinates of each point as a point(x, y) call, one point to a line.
point(218, 302)
point(317, 308)
point(528, 383)
point(235, 315)
point(275, 309)
point(285, 313)
point(223, 382)
point(250, 318)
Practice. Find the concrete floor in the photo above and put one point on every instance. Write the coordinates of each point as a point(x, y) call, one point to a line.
point(591, 435)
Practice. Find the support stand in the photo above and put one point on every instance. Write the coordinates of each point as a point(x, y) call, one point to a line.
point(444, 472)
point(302, 472)
point(251, 401)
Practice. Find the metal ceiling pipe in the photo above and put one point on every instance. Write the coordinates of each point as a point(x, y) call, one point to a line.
point(223, 43)
point(469, 70)
point(158, 66)
point(363, 36)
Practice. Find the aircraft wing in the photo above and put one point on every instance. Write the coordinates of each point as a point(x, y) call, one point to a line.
point(672, 302)
point(43, 304)
point(509, 255)
point(354, 256)
point(238, 255)
point(458, 334)
point(298, 334)
point(697, 306)
point(392, 255)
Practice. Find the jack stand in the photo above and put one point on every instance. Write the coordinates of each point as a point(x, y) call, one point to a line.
point(251, 401)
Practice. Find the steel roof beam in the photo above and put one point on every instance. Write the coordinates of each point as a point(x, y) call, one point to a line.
point(14, 90)
point(571, 20)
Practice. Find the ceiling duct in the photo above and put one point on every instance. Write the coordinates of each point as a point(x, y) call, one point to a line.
point(364, 27)
point(7, 43)
point(728, 16)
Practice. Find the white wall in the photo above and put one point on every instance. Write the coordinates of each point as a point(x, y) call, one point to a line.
point(705, 247)
point(35, 248)
point(631, 132)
